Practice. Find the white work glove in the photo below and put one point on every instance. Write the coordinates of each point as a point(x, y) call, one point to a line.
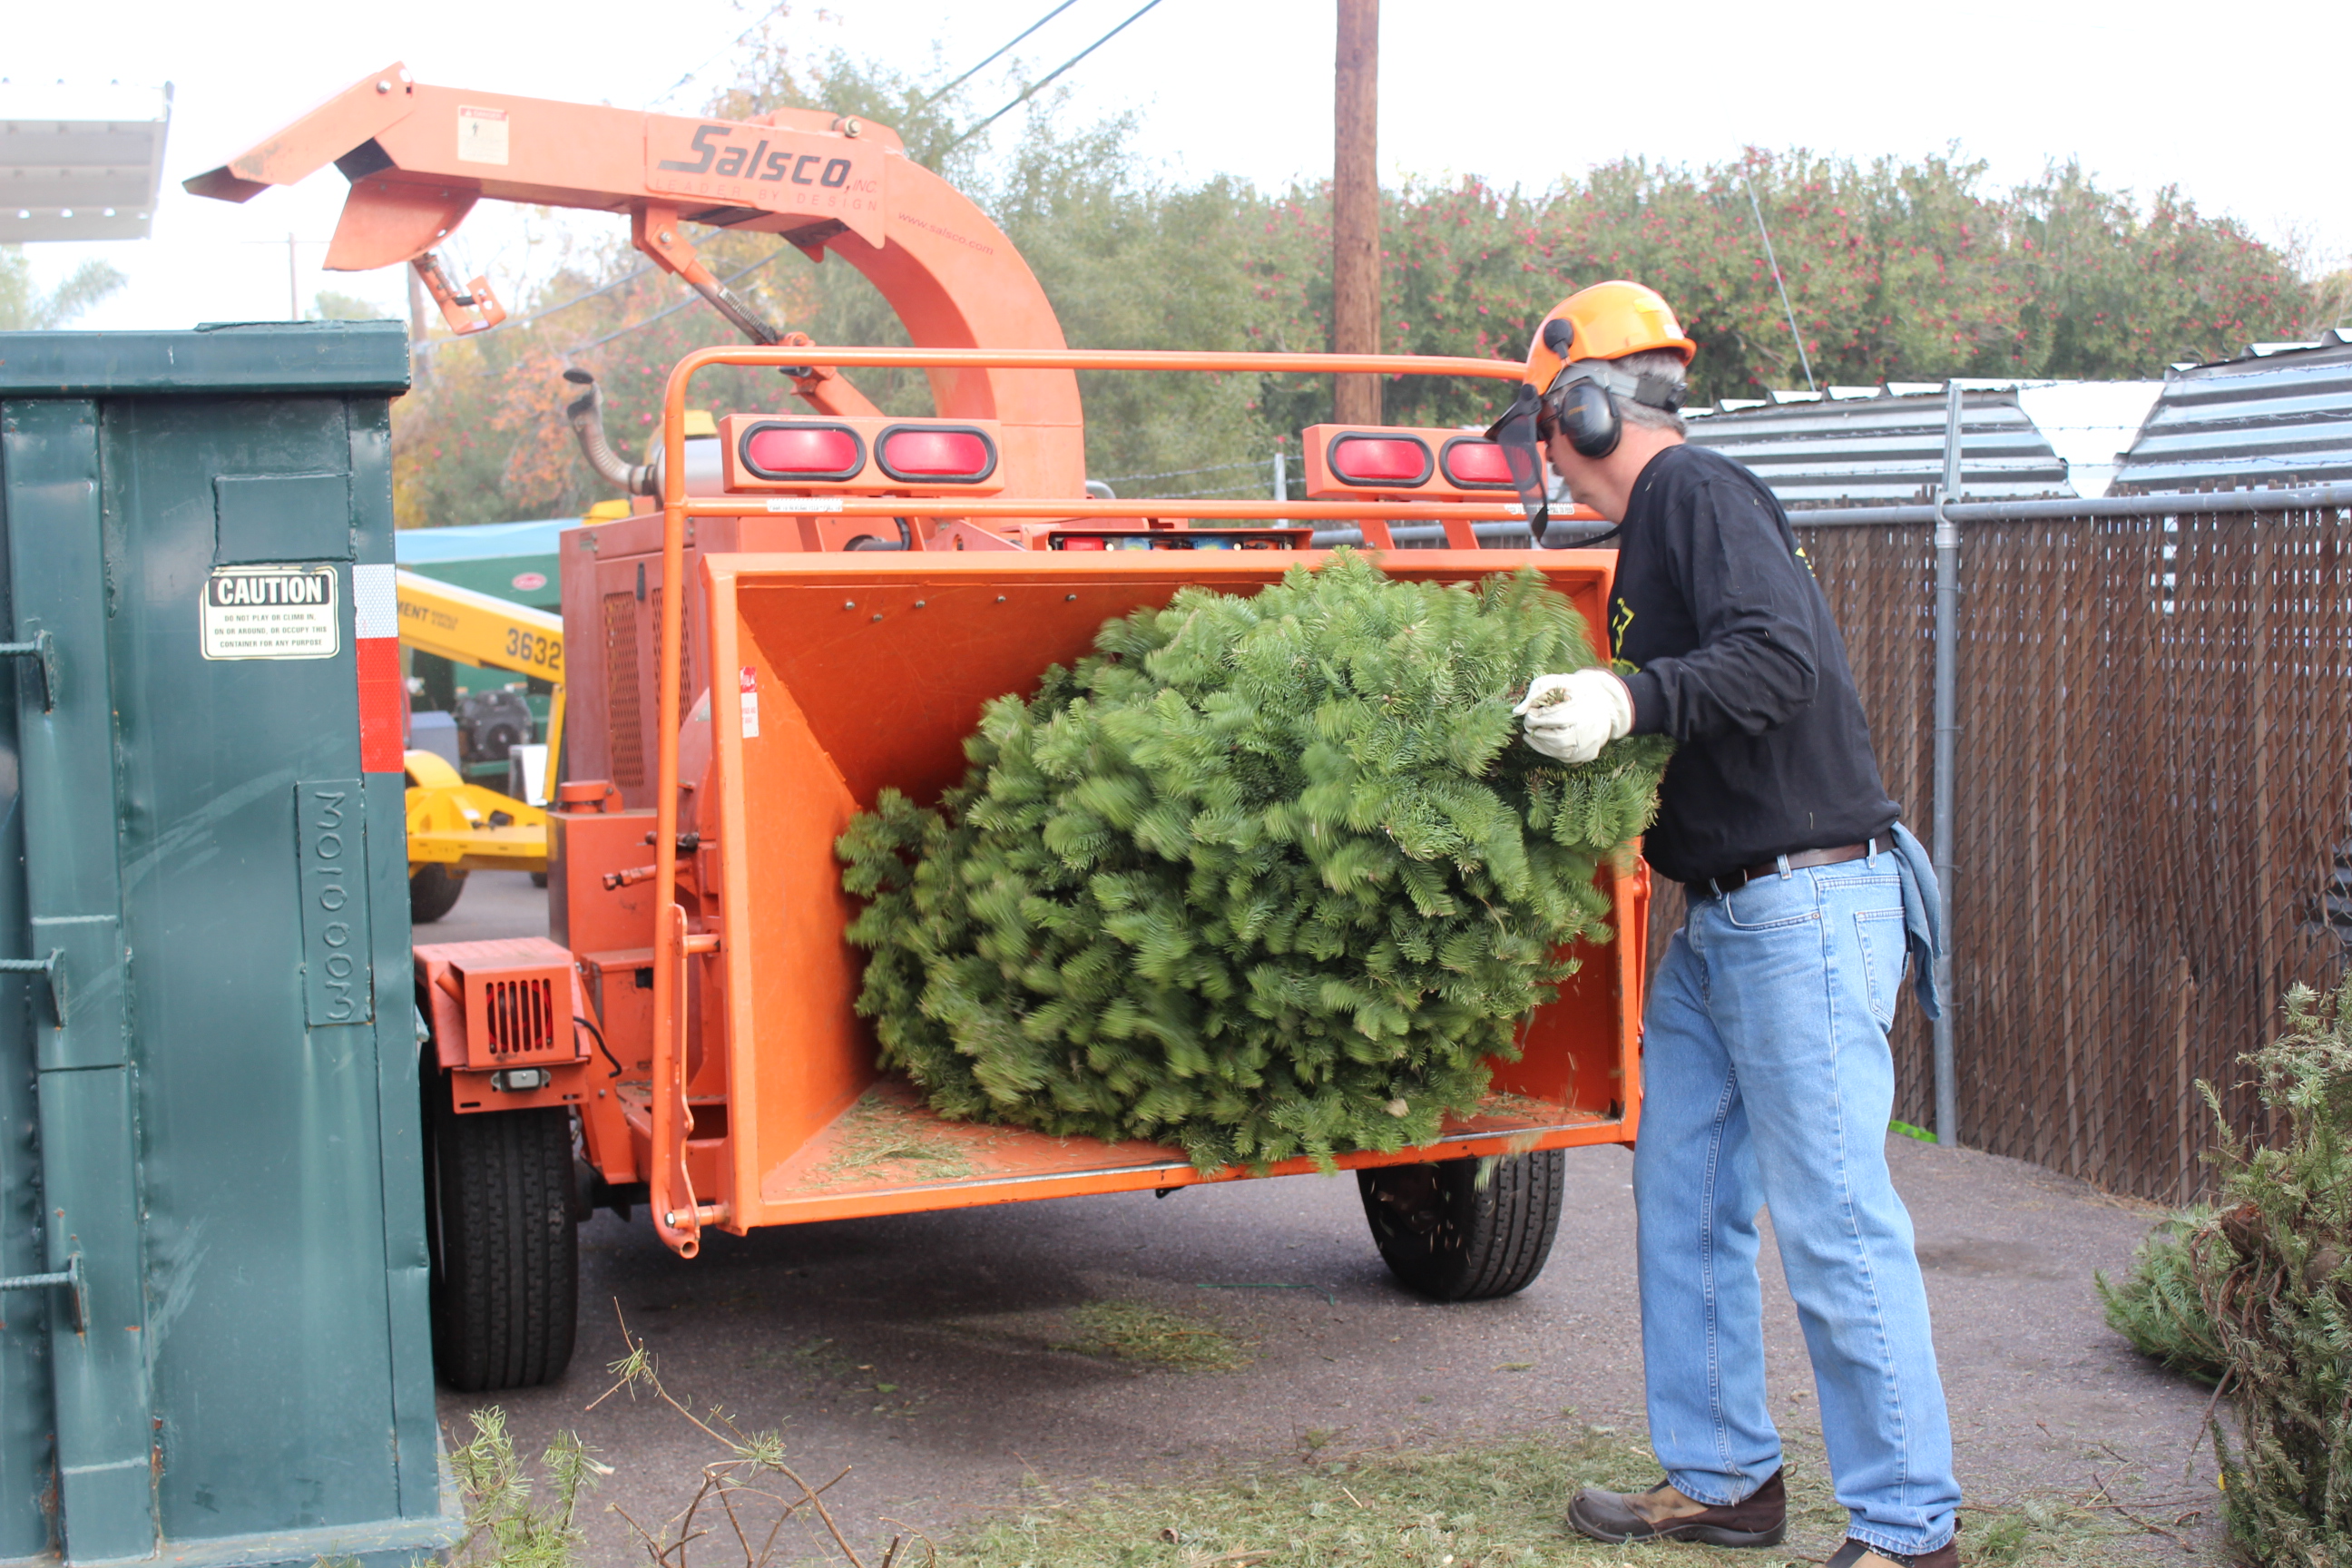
point(1593, 708)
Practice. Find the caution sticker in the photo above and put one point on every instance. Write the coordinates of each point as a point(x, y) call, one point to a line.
point(271, 612)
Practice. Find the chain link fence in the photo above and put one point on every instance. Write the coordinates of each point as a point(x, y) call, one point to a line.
point(2153, 804)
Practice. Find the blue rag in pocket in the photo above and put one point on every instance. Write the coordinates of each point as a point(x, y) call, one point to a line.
point(1923, 918)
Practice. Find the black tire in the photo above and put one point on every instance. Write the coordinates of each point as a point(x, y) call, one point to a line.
point(1445, 1236)
point(539, 879)
point(502, 1221)
point(499, 739)
point(433, 892)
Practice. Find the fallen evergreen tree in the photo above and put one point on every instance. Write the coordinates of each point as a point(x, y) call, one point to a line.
point(1263, 876)
point(2256, 1292)
point(2275, 1270)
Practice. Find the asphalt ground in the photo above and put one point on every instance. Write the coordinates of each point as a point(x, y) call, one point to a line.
point(931, 1353)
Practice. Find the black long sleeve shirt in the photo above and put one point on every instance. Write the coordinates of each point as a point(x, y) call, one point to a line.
point(1736, 658)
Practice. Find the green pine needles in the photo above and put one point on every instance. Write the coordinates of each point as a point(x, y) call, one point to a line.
point(1263, 877)
point(2256, 1292)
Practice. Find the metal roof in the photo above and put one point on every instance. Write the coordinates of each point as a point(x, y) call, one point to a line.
point(2278, 414)
point(480, 540)
point(80, 162)
point(1882, 448)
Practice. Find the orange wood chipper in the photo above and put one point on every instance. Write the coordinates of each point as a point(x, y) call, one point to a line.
point(849, 590)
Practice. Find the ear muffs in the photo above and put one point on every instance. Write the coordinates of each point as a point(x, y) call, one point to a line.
point(1586, 412)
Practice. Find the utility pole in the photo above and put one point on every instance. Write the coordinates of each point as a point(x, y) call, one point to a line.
point(1355, 209)
point(415, 324)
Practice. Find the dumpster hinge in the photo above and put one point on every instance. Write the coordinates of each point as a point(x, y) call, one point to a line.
point(42, 646)
point(69, 1276)
point(53, 966)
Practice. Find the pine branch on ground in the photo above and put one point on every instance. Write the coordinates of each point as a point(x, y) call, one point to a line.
point(1263, 877)
point(2157, 1307)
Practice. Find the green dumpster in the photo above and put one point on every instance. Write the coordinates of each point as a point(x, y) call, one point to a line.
point(214, 1339)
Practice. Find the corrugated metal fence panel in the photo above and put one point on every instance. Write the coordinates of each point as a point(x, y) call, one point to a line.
point(2276, 419)
point(1886, 449)
point(2154, 782)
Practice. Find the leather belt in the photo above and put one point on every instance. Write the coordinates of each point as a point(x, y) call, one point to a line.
point(1732, 882)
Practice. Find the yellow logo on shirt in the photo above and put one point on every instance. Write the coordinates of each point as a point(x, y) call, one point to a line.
point(1620, 618)
point(1808, 561)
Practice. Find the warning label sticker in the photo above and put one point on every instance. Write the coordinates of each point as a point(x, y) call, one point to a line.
point(481, 135)
point(271, 612)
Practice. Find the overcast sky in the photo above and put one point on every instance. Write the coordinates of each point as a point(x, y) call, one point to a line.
point(2229, 103)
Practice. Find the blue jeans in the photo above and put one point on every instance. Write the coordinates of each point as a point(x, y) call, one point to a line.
point(1768, 1082)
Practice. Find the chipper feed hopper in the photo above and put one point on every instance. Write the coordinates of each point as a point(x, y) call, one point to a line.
point(807, 606)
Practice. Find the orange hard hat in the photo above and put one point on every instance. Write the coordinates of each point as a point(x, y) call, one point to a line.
point(1607, 320)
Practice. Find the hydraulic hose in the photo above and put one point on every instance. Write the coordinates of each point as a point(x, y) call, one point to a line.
point(586, 413)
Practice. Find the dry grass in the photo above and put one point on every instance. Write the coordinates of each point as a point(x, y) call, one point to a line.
point(1481, 1505)
point(883, 1136)
point(1155, 1337)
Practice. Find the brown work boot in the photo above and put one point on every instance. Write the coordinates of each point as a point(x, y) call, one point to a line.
point(1663, 1513)
point(1862, 1554)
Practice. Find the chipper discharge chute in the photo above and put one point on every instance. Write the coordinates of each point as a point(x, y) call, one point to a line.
point(808, 607)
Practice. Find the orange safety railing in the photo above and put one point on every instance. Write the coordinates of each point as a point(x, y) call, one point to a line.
point(669, 1191)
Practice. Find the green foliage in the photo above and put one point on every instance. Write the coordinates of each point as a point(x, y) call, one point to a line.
point(2157, 1307)
point(2273, 1270)
point(503, 1528)
point(24, 308)
point(1263, 876)
point(334, 305)
point(1896, 270)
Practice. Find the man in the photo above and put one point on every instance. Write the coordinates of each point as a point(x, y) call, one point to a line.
point(1768, 1078)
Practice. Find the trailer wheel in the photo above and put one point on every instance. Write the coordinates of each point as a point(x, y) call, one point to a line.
point(1445, 1236)
point(506, 1256)
point(433, 892)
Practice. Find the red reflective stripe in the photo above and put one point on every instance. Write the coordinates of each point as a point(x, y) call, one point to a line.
point(1083, 542)
point(380, 687)
point(1380, 459)
point(952, 454)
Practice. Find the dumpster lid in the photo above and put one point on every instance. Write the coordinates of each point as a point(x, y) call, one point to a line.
point(224, 356)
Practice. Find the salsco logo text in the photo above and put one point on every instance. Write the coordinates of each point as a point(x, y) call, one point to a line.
point(757, 164)
point(768, 167)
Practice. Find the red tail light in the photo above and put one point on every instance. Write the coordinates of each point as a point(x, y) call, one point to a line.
point(1079, 541)
point(798, 451)
point(1475, 465)
point(935, 454)
point(1400, 460)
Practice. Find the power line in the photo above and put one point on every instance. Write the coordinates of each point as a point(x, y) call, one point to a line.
point(1057, 70)
point(999, 55)
point(760, 22)
point(674, 309)
point(1803, 357)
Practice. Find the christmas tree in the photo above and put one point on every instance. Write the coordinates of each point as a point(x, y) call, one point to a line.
point(1263, 876)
